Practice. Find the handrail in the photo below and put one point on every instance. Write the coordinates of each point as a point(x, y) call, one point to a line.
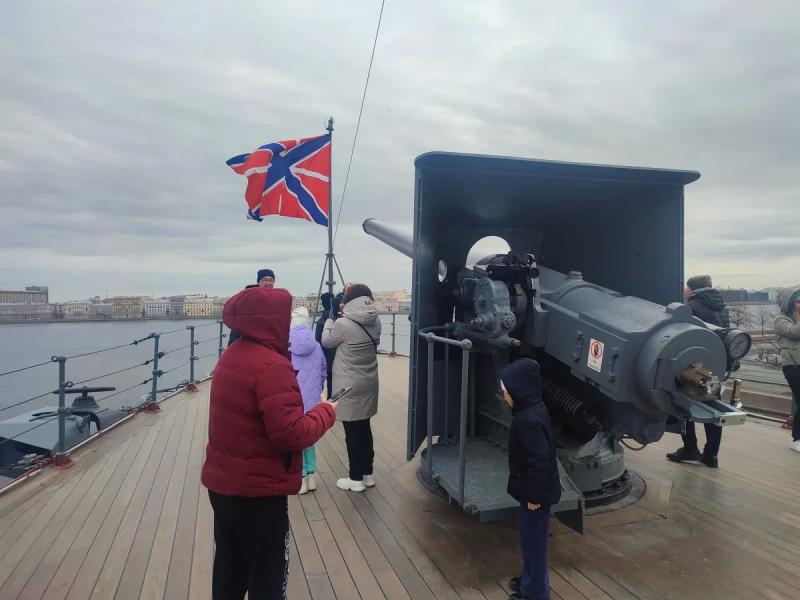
point(41, 364)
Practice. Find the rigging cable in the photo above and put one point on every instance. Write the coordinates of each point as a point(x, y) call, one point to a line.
point(358, 123)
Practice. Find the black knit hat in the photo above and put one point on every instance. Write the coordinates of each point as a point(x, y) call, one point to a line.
point(699, 281)
point(265, 273)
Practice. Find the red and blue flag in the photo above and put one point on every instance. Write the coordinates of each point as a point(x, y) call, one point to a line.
point(290, 179)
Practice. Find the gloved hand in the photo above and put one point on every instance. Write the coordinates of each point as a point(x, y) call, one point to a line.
point(336, 308)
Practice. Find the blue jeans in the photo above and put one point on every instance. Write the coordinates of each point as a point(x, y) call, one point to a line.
point(533, 534)
point(309, 460)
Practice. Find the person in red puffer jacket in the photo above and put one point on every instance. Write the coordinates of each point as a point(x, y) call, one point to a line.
point(257, 431)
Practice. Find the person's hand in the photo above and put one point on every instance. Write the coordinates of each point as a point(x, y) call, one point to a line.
point(532, 506)
point(323, 397)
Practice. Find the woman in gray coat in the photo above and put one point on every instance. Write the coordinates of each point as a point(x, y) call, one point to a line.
point(356, 336)
point(787, 328)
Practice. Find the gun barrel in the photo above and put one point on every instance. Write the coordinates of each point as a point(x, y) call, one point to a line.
point(395, 238)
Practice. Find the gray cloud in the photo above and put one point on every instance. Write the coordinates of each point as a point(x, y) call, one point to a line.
point(117, 119)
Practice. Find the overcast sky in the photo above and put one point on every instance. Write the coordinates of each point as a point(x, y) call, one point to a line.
point(116, 119)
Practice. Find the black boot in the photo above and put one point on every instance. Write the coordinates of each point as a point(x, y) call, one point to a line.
point(685, 454)
point(709, 461)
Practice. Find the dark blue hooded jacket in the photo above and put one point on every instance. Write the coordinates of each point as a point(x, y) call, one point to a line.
point(330, 353)
point(708, 305)
point(533, 472)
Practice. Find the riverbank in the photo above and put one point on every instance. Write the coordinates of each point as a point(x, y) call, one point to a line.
point(137, 320)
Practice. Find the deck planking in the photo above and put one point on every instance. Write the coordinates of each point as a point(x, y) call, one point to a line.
point(131, 520)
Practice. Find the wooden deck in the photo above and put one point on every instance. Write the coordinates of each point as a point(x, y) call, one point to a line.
point(130, 520)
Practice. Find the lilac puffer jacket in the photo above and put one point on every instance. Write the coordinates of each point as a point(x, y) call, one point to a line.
point(309, 361)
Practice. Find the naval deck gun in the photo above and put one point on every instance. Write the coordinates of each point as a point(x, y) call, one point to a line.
point(591, 288)
point(35, 434)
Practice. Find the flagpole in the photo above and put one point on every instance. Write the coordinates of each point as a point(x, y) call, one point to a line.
point(329, 257)
point(329, 129)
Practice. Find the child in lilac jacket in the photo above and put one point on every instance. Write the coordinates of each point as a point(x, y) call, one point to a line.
point(308, 360)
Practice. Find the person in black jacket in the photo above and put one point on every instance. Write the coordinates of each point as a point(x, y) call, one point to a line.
point(330, 353)
point(707, 305)
point(337, 301)
point(533, 479)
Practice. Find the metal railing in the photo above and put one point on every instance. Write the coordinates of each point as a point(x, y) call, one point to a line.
point(60, 454)
point(155, 373)
point(466, 346)
point(393, 334)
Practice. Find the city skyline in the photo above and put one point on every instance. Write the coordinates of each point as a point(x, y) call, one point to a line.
point(35, 304)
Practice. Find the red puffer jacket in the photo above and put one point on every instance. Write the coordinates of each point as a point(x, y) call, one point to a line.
point(257, 428)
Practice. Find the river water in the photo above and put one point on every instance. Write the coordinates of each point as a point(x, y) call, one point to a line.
point(28, 344)
point(23, 345)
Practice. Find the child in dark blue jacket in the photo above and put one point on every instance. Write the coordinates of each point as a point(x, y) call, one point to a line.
point(533, 474)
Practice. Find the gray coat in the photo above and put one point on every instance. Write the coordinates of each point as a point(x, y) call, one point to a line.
point(356, 362)
point(787, 328)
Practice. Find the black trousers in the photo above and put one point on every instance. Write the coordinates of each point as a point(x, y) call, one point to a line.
point(251, 536)
point(358, 438)
point(713, 438)
point(792, 374)
point(533, 527)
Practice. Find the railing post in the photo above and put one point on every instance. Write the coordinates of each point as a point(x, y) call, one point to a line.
point(393, 353)
point(62, 459)
point(191, 352)
point(154, 389)
point(462, 430)
point(221, 335)
point(429, 452)
point(446, 425)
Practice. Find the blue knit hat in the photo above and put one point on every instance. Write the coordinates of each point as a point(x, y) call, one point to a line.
point(265, 273)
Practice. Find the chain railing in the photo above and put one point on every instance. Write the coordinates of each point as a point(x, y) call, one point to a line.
point(59, 455)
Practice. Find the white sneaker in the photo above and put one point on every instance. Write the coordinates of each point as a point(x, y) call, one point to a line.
point(311, 481)
point(351, 486)
point(369, 480)
point(796, 446)
point(303, 487)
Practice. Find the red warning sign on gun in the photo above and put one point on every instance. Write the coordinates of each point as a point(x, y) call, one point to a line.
point(595, 360)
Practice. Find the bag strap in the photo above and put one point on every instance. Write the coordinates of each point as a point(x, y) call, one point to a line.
point(369, 335)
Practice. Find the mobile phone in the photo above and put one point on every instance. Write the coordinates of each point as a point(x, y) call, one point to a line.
point(338, 395)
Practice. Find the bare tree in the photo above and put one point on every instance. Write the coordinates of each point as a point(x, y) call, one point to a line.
point(762, 316)
point(739, 316)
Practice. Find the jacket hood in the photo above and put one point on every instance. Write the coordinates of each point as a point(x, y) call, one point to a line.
point(300, 316)
point(361, 310)
point(262, 314)
point(523, 382)
point(326, 300)
point(786, 298)
point(710, 297)
point(301, 340)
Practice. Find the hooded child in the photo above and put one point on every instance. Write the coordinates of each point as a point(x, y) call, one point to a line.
point(533, 478)
point(309, 362)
